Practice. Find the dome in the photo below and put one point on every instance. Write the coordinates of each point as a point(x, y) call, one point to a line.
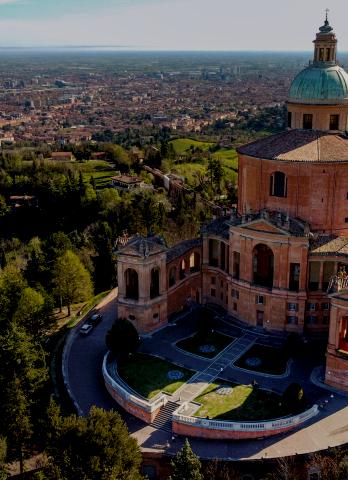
point(320, 85)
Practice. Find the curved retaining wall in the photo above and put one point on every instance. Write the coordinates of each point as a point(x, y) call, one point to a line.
point(137, 406)
point(220, 430)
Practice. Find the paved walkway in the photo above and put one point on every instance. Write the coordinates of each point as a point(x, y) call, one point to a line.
point(201, 380)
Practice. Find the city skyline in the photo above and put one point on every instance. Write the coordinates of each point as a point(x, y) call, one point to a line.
point(169, 24)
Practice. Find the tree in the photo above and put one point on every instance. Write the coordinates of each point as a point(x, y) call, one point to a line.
point(12, 284)
point(72, 282)
point(293, 398)
point(16, 411)
point(122, 339)
point(97, 446)
point(3, 454)
point(186, 465)
point(216, 172)
point(30, 309)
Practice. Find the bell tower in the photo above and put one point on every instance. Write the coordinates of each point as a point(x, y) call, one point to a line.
point(325, 45)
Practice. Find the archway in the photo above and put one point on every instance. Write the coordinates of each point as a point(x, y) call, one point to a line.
point(155, 283)
point(263, 266)
point(132, 284)
point(195, 262)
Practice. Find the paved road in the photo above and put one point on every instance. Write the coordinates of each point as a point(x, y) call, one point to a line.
point(84, 364)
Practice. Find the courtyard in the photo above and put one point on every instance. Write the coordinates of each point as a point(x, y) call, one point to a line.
point(222, 370)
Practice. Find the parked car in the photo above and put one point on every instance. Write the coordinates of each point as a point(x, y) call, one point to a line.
point(86, 328)
point(95, 319)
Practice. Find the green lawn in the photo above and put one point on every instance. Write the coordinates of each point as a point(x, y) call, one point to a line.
point(181, 145)
point(192, 344)
point(147, 375)
point(273, 360)
point(189, 171)
point(245, 403)
point(228, 157)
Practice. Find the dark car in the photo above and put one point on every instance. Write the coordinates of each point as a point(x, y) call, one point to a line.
point(95, 319)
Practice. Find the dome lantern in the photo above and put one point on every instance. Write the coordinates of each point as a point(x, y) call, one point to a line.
point(325, 44)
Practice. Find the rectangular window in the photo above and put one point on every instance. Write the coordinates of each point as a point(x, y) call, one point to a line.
point(311, 307)
point(314, 272)
point(294, 280)
point(223, 256)
point(326, 320)
point(289, 119)
point(307, 121)
point(235, 307)
point(311, 320)
point(291, 320)
point(260, 300)
point(334, 122)
point(221, 296)
point(213, 292)
point(325, 306)
point(236, 263)
point(235, 293)
point(213, 280)
point(293, 307)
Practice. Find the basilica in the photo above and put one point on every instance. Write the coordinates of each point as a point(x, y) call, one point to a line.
point(277, 262)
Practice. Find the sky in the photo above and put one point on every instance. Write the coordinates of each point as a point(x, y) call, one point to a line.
point(285, 25)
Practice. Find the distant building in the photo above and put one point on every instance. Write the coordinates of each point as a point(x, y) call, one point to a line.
point(127, 182)
point(63, 156)
point(18, 201)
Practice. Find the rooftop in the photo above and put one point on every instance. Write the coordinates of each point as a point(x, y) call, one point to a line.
point(328, 244)
point(300, 146)
point(181, 248)
point(129, 179)
point(143, 247)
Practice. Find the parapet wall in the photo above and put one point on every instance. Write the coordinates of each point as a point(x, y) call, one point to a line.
point(220, 430)
point(139, 407)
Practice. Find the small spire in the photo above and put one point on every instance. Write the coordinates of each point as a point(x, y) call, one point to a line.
point(326, 28)
point(326, 16)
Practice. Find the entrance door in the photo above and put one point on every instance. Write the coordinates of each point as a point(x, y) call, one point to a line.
point(259, 318)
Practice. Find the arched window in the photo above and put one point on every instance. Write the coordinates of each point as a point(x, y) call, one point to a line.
point(172, 277)
point(263, 266)
point(195, 262)
point(182, 269)
point(155, 283)
point(132, 284)
point(278, 184)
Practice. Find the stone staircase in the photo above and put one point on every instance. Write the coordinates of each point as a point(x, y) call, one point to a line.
point(163, 421)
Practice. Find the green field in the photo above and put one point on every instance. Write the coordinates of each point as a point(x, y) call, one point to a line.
point(228, 157)
point(99, 169)
point(189, 171)
point(245, 403)
point(147, 375)
point(193, 344)
point(181, 145)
